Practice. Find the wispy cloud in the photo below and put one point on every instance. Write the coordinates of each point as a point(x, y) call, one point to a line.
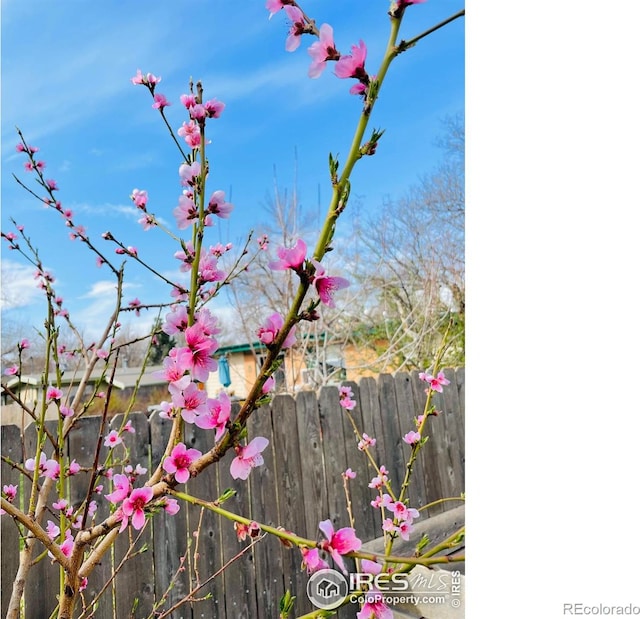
point(18, 286)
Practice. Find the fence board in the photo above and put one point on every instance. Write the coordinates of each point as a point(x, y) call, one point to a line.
point(209, 552)
point(312, 442)
point(371, 425)
point(169, 532)
point(408, 410)
point(291, 453)
point(264, 508)
point(239, 576)
point(134, 583)
point(361, 495)
point(43, 582)
point(11, 449)
point(312, 461)
point(393, 458)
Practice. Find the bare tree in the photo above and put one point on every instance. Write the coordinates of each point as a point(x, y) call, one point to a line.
point(411, 267)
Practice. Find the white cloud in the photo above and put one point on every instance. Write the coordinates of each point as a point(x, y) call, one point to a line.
point(18, 287)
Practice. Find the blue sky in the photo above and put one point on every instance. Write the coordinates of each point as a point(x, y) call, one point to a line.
point(65, 83)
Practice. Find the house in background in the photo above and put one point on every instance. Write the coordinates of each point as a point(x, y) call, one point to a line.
point(307, 366)
point(28, 389)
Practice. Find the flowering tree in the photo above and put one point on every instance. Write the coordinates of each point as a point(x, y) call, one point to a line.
point(74, 537)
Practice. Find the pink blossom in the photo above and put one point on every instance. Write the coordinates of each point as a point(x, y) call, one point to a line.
point(339, 542)
point(268, 333)
point(243, 530)
point(10, 492)
point(179, 461)
point(149, 79)
point(12, 370)
point(311, 560)
point(217, 205)
point(188, 100)
point(67, 546)
point(112, 439)
point(297, 28)
point(405, 528)
point(214, 108)
point(51, 469)
point(128, 428)
point(189, 173)
point(269, 384)
point(191, 401)
point(191, 133)
point(176, 320)
point(139, 198)
point(92, 509)
point(217, 414)
point(208, 268)
point(248, 457)
point(435, 382)
point(160, 102)
point(201, 347)
point(74, 468)
point(322, 50)
point(53, 530)
point(366, 442)
point(147, 221)
point(290, 258)
point(186, 212)
point(398, 6)
point(61, 504)
point(349, 474)
point(411, 438)
point(133, 506)
point(346, 398)
point(402, 512)
point(53, 393)
point(28, 166)
point(379, 480)
point(51, 184)
point(326, 286)
point(171, 506)
point(46, 467)
point(374, 606)
point(207, 321)
point(352, 65)
point(197, 111)
point(273, 6)
point(135, 304)
point(122, 487)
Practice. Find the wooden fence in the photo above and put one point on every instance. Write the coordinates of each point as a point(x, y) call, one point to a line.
point(311, 443)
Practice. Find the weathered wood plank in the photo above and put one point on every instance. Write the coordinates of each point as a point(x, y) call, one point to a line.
point(43, 583)
point(408, 410)
point(335, 460)
point(454, 415)
point(10, 445)
point(393, 457)
point(372, 425)
point(169, 532)
point(239, 576)
point(134, 583)
point(264, 487)
point(312, 461)
point(207, 544)
point(359, 491)
point(81, 444)
point(290, 489)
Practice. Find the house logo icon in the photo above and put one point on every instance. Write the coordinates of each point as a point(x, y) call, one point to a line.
point(327, 589)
